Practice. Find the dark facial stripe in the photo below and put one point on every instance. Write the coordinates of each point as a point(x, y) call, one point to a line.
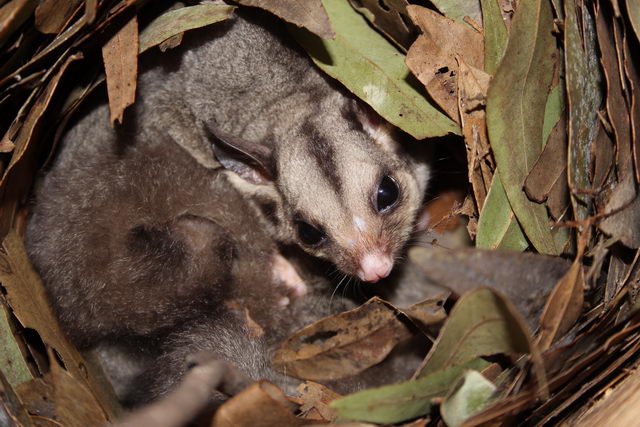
point(323, 152)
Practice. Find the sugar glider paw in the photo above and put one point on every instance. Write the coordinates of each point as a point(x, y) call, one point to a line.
point(285, 273)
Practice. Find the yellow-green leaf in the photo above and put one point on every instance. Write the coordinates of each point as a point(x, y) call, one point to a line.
point(473, 394)
point(12, 363)
point(497, 226)
point(495, 35)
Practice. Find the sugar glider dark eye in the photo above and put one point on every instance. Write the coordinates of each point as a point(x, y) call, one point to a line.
point(387, 194)
point(309, 234)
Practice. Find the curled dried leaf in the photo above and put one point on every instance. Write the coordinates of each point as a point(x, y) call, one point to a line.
point(316, 398)
point(343, 344)
point(262, 403)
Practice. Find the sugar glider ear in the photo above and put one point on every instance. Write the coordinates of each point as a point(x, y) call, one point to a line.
point(373, 124)
point(253, 162)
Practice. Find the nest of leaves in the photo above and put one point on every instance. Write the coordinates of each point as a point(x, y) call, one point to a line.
point(546, 92)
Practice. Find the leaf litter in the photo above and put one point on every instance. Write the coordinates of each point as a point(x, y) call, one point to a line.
point(536, 131)
point(347, 343)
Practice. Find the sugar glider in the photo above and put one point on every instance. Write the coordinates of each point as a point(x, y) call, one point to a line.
point(329, 172)
point(139, 236)
point(349, 191)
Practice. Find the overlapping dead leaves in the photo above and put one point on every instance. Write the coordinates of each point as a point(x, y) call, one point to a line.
point(545, 95)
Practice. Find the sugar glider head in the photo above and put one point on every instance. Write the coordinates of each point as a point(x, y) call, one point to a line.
point(348, 191)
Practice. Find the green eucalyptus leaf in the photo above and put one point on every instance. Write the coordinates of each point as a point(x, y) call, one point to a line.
point(399, 402)
point(495, 35)
point(12, 363)
point(498, 227)
point(374, 70)
point(515, 113)
point(552, 111)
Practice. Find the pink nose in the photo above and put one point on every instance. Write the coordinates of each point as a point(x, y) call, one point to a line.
point(374, 266)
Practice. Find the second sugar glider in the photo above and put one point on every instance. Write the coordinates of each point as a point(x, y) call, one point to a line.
point(331, 175)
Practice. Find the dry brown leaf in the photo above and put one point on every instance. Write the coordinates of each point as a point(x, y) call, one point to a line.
point(432, 69)
point(428, 312)
point(27, 297)
point(452, 38)
point(171, 43)
point(547, 180)
point(120, 56)
point(10, 134)
point(261, 404)
point(32, 122)
point(563, 308)
point(37, 396)
point(53, 15)
point(6, 145)
point(432, 58)
point(472, 93)
point(617, 273)
point(75, 405)
point(343, 344)
point(20, 178)
point(309, 14)
point(469, 210)
point(391, 18)
point(438, 215)
point(316, 397)
point(617, 108)
point(558, 201)
point(12, 16)
point(603, 157)
point(565, 302)
point(474, 83)
point(60, 40)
